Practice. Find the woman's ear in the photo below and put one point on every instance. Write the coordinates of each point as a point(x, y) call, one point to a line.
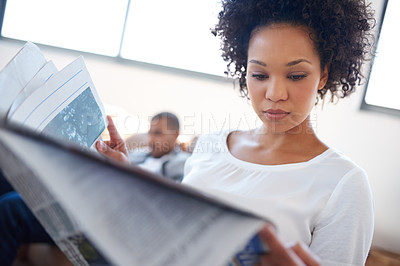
point(324, 77)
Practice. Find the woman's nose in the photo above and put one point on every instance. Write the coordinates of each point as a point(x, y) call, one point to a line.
point(276, 90)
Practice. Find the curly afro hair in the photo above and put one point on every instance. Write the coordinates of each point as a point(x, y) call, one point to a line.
point(340, 30)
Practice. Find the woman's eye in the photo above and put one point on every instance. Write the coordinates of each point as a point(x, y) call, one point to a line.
point(297, 77)
point(259, 76)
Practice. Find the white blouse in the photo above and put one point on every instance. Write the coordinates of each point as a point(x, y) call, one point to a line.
point(325, 202)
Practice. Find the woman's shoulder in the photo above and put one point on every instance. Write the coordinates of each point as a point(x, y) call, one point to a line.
point(212, 139)
point(340, 174)
point(337, 159)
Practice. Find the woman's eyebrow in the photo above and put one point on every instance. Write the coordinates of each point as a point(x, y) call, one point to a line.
point(295, 62)
point(292, 63)
point(258, 62)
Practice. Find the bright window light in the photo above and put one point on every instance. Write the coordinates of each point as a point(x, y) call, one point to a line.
point(93, 26)
point(174, 33)
point(383, 86)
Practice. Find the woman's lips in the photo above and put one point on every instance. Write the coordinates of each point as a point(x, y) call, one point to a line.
point(275, 114)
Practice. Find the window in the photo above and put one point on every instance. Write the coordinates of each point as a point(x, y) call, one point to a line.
point(174, 33)
point(91, 26)
point(383, 91)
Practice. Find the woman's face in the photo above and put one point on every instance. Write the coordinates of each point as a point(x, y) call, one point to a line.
point(283, 77)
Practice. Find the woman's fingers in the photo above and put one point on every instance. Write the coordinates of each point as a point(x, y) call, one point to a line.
point(278, 253)
point(104, 149)
point(115, 147)
point(112, 130)
point(305, 254)
point(116, 142)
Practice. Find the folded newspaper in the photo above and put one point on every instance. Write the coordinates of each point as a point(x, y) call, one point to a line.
point(98, 211)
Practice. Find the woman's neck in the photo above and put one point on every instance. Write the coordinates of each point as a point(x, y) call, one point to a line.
point(301, 135)
point(261, 146)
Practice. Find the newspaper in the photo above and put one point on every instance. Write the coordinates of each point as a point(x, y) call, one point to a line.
point(16, 75)
point(100, 212)
point(43, 75)
point(58, 104)
point(61, 104)
point(126, 215)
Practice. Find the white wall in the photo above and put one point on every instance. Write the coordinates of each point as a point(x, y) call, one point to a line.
point(205, 104)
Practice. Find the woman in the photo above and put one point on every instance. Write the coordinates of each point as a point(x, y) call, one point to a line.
point(286, 55)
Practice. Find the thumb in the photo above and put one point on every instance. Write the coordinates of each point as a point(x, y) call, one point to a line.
point(110, 153)
point(102, 147)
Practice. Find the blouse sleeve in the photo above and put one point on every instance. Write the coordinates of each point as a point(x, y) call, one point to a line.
point(344, 229)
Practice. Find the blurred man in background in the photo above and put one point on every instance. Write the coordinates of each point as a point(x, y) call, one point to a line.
point(163, 156)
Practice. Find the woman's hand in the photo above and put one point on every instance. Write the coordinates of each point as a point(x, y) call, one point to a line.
point(115, 148)
point(296, 255)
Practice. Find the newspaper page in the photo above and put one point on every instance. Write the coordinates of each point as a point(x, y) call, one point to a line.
point(60, 225)
point(67, 107)
point(41, 77)
point(17, 73)
point(132, 216)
